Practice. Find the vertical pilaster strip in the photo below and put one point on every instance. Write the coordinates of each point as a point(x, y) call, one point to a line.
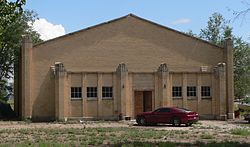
point(69, 97)
point(184, 91)
point(99, 95)
point(66, 96)
point(115, 103)
point(129, 96)
point(122, 87)
point(222, 90)
point(26, 60)
point(163, 75)
point(156, 95)
point(60, 83)
point(228, 56)
point(213, 92)
point(199, 92)
point(84, 93)
point(169, 90)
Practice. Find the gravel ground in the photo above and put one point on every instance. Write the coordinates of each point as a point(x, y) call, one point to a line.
point(204, 130)
point(212, 124)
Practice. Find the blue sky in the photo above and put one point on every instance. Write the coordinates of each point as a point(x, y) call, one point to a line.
point(181, 15)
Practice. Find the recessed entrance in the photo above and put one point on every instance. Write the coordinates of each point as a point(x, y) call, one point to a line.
point(143, 101)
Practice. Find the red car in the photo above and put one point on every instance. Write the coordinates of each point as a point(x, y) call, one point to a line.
point(168, 115)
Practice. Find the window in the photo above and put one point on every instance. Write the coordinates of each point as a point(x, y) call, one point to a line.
point(166, 110)
point(107, 92)
point(176, 91)
point(205, 91)
point(191, 91)
point(91, 91)
point(76, 92)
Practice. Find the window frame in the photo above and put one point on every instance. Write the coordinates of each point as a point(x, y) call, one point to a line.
point(75, 93)
point(175, 90)
point(206, 91)
point(92, 92)
point(107, 92)
point(191, 92)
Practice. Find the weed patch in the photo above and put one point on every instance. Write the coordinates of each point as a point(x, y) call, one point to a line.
point(241, 131)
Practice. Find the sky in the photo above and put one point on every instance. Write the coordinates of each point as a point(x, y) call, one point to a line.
point(59, 17)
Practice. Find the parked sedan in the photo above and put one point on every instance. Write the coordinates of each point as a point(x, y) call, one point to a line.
point(168, 115)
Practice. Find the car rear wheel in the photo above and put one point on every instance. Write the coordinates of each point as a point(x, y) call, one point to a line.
point(176, 121)
point(141, 121)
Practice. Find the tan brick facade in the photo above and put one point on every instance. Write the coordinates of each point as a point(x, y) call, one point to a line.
point(140, 60)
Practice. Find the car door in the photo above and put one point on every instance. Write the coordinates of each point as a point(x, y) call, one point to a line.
point(165, 115)
point(162, 115)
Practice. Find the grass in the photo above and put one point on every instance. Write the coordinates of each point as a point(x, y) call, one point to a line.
point(84, 136)
point(241, 131)
point(122, 136)
point(132, 144)
point(207, 136)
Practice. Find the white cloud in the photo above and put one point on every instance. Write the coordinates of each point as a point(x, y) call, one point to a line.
point(181, 21)
point(47, 30)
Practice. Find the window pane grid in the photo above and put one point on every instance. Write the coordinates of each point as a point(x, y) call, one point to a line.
point(205, 91)
point(191, 91)
point(107, 92)
point(176, 91)
point(91, 91)
point(76, 92)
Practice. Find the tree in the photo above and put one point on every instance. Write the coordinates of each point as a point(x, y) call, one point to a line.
point(216, 31)
point(9, 11)
point(14, 23)
point(241, 68)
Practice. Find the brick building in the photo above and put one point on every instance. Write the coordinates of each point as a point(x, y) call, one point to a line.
point(123, 67)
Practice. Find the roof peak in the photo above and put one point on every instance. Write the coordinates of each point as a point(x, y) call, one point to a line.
point(126, 16)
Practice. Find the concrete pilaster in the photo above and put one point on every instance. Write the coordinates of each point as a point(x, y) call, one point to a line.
point(60, 93)
point(157, 100)
point(169, 90)
point(199, 92)
point(122, 86)
point(228, 58)
point(115, 96)
point(163, 75)
point(221, 95)
point(99, 95)
point(184, 90)
point(213, 92)
point(84, 94)
point(26, 60)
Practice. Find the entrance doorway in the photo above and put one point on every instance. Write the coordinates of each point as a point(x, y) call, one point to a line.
point(143, 101)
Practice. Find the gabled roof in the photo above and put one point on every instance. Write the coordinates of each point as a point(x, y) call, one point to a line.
point(123, 17)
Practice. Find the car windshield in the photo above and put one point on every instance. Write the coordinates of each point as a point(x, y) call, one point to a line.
point(183, 109)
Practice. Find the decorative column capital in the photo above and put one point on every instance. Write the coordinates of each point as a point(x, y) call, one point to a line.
point(58, 69)
point(122, 68)
point(163, 68)
point(220, 69)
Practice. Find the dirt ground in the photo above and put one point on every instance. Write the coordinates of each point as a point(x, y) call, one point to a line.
point(204, 130)
point(211, 124)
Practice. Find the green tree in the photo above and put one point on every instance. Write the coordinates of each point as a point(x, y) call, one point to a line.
point(9, 12)
point(241, 68)
point(14, 23)
point(216, 31)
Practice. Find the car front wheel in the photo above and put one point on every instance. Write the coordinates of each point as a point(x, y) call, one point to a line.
point(141, 121)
